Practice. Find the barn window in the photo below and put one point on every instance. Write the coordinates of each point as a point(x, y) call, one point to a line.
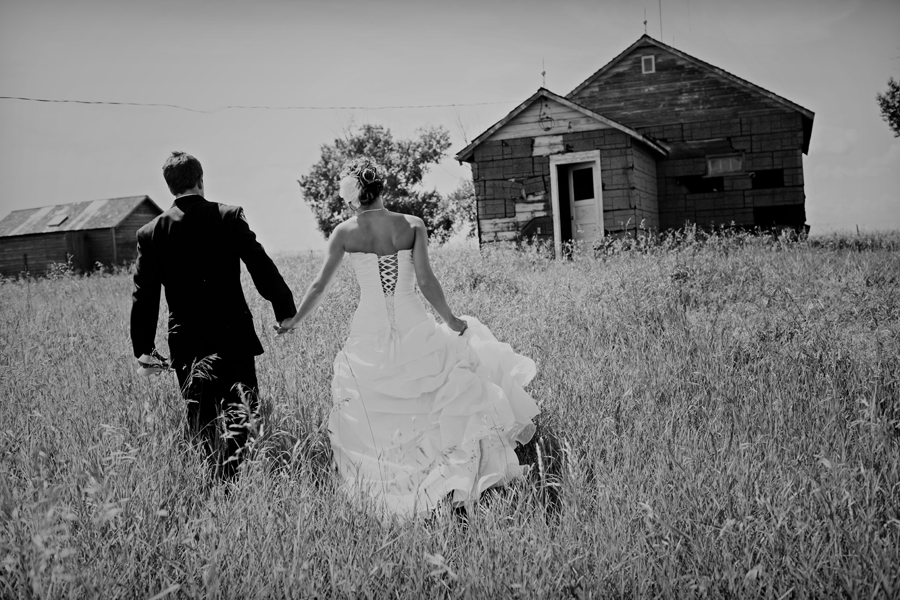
point(57, 220)
point(700, 184)
point(768, 179)
point(648, 64)
point(724, 165)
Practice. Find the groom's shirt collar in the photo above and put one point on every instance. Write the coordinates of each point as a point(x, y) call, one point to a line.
point(186, 202)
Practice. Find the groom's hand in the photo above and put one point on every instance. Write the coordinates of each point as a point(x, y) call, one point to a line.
point(283, 328)
point(152, 364)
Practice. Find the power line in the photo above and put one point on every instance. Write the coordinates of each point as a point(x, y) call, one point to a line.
point(738, 48)
point(245, 107)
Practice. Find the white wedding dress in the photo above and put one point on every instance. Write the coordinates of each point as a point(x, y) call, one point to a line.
point(419, 411)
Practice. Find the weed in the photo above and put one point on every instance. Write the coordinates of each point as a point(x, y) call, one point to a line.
point(719, 418)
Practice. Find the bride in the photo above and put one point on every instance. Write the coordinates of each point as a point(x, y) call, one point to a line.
point(420, 411)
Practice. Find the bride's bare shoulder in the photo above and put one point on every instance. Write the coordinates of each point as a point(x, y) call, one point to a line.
point(413, 221)
point(347, 225)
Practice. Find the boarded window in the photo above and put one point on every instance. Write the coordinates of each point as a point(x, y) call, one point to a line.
point(648, 64)
point(698, 184)
point(721, 165)
point(582, 184)
point(545, 145)
point(790, 215)
point(768, 179)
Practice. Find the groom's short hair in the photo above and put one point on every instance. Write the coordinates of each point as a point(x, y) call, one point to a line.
point(182, 172)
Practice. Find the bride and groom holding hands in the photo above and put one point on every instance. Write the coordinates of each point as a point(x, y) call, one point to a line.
point(421, 411)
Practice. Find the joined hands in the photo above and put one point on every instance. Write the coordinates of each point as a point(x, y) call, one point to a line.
point(283, 328)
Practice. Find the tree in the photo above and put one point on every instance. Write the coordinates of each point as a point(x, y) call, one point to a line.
point(404, 161)
point(889, 102)
point(460, 207)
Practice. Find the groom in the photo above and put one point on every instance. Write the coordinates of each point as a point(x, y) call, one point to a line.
point(194, 250)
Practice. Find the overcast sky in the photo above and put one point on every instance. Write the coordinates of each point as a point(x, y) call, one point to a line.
point(829, 56)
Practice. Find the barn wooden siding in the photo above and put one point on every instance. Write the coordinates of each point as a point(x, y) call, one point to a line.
point(115, 244)
point(697, 111)
point(644, 185)
point(126, 231)
point(33, 253)
point(776, 151)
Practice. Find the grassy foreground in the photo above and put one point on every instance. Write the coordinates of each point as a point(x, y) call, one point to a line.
point(725, 418)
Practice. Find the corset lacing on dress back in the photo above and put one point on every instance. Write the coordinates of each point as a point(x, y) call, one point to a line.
point(388, 271)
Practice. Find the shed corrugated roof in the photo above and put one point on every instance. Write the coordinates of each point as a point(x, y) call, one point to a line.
point(93, 214)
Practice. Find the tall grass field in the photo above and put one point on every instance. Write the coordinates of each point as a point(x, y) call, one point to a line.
point(720, 417)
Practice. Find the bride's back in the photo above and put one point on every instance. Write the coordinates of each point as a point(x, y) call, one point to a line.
point(379, 232)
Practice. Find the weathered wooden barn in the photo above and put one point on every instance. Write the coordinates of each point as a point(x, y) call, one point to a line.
point(656, 139)
point(87, 232)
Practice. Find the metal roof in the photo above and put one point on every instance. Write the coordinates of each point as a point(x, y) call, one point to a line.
point(93, 214)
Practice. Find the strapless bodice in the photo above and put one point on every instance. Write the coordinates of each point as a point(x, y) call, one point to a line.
point(388, 303)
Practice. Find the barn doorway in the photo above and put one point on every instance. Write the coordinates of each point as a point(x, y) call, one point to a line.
point(576, 198)
point(78, 249)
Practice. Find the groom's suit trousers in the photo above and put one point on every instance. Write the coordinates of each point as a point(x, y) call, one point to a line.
point(221, 395)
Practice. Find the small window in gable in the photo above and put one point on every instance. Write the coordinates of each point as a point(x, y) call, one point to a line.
point(648, 64)
point(57, 220)
point(724, 165)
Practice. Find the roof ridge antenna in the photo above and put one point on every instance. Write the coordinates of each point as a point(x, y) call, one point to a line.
point(645, 20)
point(543, 74)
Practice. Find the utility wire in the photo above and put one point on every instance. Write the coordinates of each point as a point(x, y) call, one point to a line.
point(246, 107)
point(737, 34)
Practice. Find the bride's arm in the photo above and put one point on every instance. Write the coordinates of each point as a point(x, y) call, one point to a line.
point(319, 287)
point(428, 282)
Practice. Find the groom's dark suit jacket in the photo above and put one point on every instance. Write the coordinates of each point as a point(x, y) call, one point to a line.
point(195, 250)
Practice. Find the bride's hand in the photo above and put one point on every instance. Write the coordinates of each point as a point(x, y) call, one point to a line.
point(458, 325)
point(284, 327)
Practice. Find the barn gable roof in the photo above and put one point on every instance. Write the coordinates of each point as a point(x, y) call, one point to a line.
point(466, 153)
point(645, 39)
point(96, 214)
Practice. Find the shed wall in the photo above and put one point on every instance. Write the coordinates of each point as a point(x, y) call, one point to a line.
point(512, 187)
point(126, 232)
point(32, 253)
point(98, 248)
point(770, 143)
point(685, 105)
point(562, 118)
point(680, 91)
point(644, 184)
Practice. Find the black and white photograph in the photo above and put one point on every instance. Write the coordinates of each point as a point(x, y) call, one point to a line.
point(410, 299)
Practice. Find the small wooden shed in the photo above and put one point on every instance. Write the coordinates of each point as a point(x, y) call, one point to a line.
point(554, 169)
point(99, 231)
point(655, 139)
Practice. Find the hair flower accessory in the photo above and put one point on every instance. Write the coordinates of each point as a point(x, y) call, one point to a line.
point(350, 191)
point(367, 175)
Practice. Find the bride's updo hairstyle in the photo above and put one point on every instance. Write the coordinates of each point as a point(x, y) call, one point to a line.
point(362, 178)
